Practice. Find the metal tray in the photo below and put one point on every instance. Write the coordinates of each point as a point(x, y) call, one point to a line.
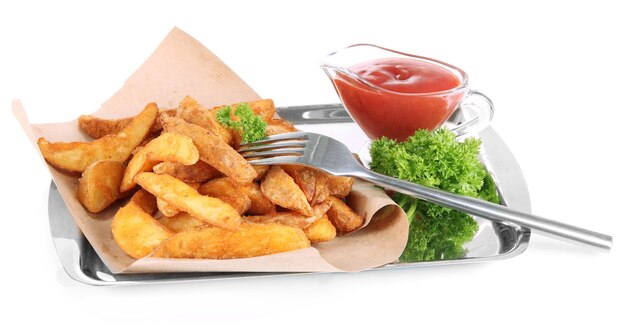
point(493, 240)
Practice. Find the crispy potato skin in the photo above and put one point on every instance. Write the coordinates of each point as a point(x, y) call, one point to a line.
point(199, 172)
point(145, 200)
point(340, 186)
point(291, 218)
point(186, 198)
point(192, 112)
point(259, 204)
point(250, 240)
point(279, 126)
point(322, 230)
point(281, 189)
point(98, 127)
point(99, 185)
point(75, 157)
point(343, 217)
point(261, 170)
point(137, 232)
point(169, 210)
point(313, 183)
point(229, 191)
point(167, 147)
point(213, 150)
point(182, 222)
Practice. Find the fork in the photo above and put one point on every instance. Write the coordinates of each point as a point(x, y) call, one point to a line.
point(325, 153)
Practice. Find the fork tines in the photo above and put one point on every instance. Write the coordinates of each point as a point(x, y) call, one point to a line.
point(283, 147)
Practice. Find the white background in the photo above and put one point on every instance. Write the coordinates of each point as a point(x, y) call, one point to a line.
point(555, 71)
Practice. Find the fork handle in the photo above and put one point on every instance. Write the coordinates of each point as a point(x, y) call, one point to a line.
point(491, 211)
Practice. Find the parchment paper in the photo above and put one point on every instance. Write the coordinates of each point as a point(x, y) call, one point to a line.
point(182, 66)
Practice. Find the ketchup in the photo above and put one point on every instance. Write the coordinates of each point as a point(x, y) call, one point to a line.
point(409, 94)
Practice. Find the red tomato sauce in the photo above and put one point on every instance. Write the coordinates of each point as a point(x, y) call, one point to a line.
point(403, 100)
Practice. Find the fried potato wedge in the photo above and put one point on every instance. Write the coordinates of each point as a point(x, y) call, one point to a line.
point(279, 126)
point(313, 183)
point(137, 232)
point(250, 240)
point(192, 112)
point(229, 191)
point(99, 185)
point(261, 170)
point(340, 186)
point(343, 217)
point(182, 222)
point(322, 230)
point(169, 210)
point(213, 150)
point(145, 200)
point(98, 127)
point(186, 198)
point(259, 204)
point(199, 172)
point(281, 189)
point(167, 147)
point(75, 157)
point(292, 218)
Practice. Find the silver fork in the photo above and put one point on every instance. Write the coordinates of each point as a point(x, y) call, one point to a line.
point(332, 156)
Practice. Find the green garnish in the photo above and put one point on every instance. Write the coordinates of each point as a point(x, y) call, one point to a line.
point(251, 126)
point(435, 159)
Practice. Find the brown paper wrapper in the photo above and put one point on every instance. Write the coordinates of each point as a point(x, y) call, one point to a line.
point(182, 66)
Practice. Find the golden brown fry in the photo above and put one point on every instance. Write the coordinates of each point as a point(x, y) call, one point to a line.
point(340, 186)
point(169, 210)
point(74, 157)
point(259, 204)
point(98, 127)
point(261, 170)
point(213, 150)
point(279, 126)
point(322, 230)
point(145, 200)
point(182, 222)
point(343, 217)
point(291, 218)
point(265, 108)
point(281, 189)
point(137, 232)
point(199, 172)
point(192, 112)
point(250, 240)
point(166, 147)
point(312, 182)
point(229, 191)
point(186, 198)
point(99, 186)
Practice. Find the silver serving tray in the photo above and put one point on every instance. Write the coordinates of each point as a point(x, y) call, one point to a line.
point(493, 240)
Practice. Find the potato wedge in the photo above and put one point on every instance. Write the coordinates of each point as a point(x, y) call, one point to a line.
point(322, 230)
point(99, 185)
point(259, 204)
point(182, 222)
point(279, 126)
point(213, 150)
point(167, 147)
point(281, 189)
point(250, 240)
point(229, 191)
point(340, 186)
point(145, 200)
point(169, 210)
point(192, 112)
point(343, 217)
point(75, 157)
point(199, 172)
point(137, 232)
point(98, 127)
point(292, 218)
point(312, 182)
point(186, 198)
point(261, 170)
